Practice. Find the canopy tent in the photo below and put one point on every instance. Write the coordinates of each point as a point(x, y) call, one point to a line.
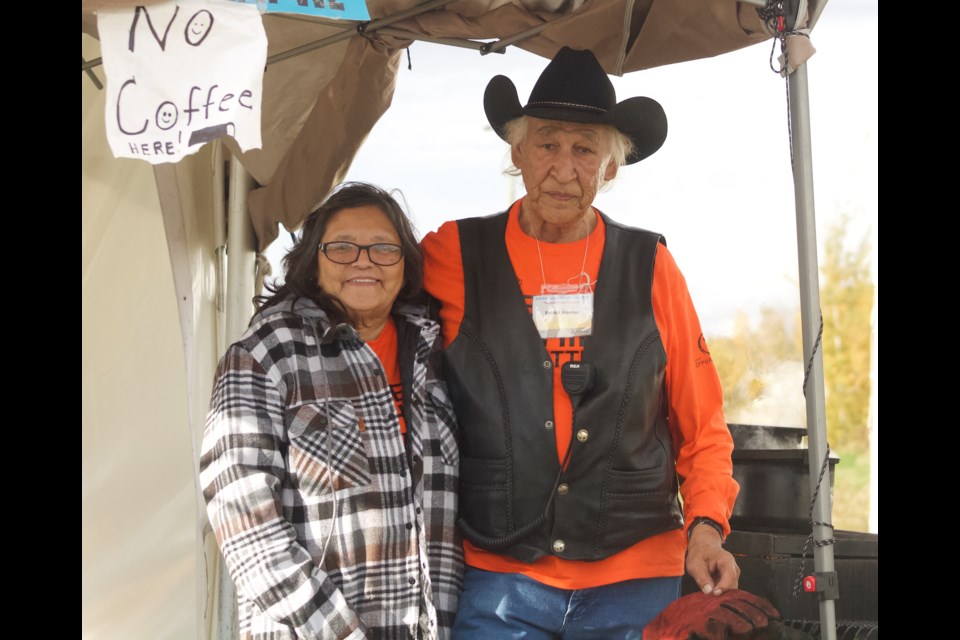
point(326, 85)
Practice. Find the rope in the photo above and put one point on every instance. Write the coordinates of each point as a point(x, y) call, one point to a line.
point(773, 17)
point(798, 586)
point(776, 22)
point(810, 360)
point(780, 17)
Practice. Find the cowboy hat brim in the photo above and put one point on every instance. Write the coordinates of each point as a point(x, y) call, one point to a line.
point(640, 119)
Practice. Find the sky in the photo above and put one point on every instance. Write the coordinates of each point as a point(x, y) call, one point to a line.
point(720, 189)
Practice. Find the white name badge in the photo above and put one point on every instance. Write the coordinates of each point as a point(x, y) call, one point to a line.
point(563, 316)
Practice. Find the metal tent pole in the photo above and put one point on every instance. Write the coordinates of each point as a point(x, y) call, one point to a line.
point(811, 324)
point(363, 27)
point(240, 272)
point(241, 252)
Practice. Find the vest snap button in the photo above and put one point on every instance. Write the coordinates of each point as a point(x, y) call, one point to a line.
point(548, 424)
point(563, 489)
point(582, 435)
point(559, 546)
point(547, 364)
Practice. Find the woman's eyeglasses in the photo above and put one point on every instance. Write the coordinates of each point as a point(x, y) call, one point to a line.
point(380, 253)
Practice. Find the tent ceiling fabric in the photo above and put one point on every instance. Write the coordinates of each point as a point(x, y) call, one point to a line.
point(318, 107)
point(291, 88)
point(658, 32)
point(342, 114)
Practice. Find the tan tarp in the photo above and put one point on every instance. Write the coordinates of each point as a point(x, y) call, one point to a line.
point(657, 33)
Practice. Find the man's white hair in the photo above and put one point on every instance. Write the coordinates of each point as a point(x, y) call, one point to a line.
point(619, 143)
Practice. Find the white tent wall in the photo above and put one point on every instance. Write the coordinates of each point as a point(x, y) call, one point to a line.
point(144, 573)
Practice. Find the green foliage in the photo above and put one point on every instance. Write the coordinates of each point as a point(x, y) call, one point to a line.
point(846, 299)
point(749, 359)
point(851, 493)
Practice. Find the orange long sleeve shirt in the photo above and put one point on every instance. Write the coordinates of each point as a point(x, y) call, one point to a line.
point(700, 436)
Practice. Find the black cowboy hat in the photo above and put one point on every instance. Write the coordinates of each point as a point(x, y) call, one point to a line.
point(575, 88)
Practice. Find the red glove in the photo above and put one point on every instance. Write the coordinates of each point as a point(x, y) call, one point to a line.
point(733, 615)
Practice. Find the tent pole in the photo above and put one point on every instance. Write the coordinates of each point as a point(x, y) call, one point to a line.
point(416, 10)
point(363, 27)
point(503, 43)
point(220, 243)
point(90, 74)
point(799, 103)
point(450, 42)
point(241, 253)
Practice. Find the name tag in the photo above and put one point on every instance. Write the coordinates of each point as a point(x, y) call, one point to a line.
point(563, 316)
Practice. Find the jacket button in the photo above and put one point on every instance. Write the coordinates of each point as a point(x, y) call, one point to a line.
point(548, 424)
point(563, 489)
point(547, 364)
point(559, 546)
point(582, 435)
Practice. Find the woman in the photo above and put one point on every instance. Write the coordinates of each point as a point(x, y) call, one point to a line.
point(329, 461)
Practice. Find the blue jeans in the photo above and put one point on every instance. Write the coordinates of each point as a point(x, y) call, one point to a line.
point(495, 606)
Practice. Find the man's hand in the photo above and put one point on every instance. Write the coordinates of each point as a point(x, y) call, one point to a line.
point(709, 564)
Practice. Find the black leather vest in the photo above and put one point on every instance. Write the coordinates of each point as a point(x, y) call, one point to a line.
point(620, 484)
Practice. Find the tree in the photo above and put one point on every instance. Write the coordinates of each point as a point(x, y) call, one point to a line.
point(757, 358)
point(751, 362)
point(846, 299)
point(755, 351)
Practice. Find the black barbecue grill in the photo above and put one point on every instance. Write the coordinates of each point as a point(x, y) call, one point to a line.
point(771, 524)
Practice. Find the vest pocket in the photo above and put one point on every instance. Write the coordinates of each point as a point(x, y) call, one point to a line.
point(637, 504)
point(322, 433)
point(645, 485)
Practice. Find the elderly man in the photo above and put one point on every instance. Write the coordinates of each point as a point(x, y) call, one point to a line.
point(587, 400)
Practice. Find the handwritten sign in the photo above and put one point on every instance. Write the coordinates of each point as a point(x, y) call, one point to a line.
point(342, 9)
point(180, 74)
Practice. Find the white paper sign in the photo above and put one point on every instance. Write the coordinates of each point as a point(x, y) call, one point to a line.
point(180, 74)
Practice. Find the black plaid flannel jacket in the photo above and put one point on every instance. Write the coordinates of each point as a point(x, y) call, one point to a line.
point(298, 407)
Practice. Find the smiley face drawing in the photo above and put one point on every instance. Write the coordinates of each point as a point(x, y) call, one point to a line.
point(167, 115)
point(198, 27)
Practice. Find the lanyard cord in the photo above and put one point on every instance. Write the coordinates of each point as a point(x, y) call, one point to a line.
point(583, 267)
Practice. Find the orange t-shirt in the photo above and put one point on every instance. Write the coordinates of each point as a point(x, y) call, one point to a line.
point(701, 438)
point(385, 346)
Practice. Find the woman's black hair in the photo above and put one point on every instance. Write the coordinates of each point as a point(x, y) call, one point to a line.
point(300, 263)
